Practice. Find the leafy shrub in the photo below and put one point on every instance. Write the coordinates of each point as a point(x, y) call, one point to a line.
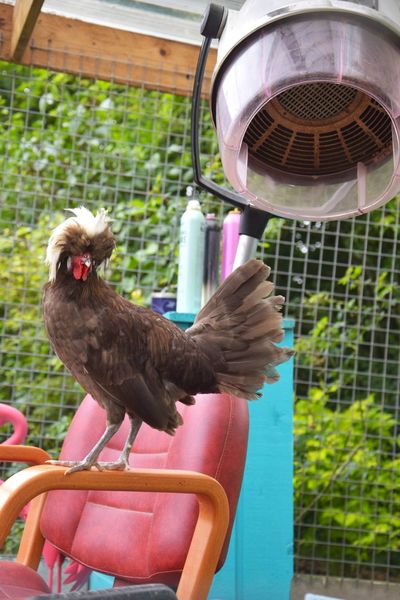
point(64, 141)
point(347, 483)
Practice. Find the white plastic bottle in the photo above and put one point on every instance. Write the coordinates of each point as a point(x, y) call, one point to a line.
point(191, 258)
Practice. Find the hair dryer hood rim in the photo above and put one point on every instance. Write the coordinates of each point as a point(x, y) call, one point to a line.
point(252, 16)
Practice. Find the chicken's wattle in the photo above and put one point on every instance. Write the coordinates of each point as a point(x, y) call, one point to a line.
point(81, 266)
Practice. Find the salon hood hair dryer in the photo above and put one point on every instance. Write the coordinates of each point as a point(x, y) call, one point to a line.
point(305, 100)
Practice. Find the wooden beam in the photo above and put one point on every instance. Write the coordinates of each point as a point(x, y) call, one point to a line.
point(25, 15)
point(99, 52)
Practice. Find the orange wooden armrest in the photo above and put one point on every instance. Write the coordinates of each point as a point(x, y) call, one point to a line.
point(209, 533)
point(25, 454)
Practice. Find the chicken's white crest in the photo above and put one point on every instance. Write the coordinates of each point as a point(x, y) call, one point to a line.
point(92, 225)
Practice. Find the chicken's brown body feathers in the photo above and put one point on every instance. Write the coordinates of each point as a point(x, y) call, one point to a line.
point(133, 360)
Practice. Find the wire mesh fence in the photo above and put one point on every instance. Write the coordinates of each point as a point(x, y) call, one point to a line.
point(68, 140)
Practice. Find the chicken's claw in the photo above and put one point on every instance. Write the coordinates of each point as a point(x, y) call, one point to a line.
point(118, 465)
point(83, 465)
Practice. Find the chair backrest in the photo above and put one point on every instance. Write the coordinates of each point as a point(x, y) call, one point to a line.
point(144, 537)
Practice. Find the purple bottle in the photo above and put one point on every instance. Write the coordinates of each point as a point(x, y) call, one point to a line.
point(230, 240)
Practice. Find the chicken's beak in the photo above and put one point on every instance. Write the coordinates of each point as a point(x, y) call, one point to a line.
point(81, 266)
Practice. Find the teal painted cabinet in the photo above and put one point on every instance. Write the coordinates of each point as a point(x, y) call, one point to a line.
point(259, 564)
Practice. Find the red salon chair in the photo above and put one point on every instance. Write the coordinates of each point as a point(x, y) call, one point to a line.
point(167, 521)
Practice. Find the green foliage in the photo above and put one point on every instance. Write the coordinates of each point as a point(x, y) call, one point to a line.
point(65, 141)
point(353, 328)
point(347, 473)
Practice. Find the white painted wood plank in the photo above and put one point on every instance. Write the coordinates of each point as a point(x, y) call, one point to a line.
point(168, 19)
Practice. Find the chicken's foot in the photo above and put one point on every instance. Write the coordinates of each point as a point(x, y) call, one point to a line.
point(122, 464)
point(90, 459)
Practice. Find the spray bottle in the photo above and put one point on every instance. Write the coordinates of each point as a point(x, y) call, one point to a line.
point(230, 240)
point(191, 257)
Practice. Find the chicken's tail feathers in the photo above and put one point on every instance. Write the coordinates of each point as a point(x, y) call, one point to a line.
point(238, 329)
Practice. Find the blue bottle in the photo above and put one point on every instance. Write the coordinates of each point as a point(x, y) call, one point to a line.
point(191, 258)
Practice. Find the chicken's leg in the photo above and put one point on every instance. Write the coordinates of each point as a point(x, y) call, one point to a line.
point(122, 464)
point(90, 459)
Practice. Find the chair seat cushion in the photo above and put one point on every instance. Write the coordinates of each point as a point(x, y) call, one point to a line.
point(18, 582)
point(144, 537)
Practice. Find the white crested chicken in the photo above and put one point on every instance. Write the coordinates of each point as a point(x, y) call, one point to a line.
point(133, 360)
